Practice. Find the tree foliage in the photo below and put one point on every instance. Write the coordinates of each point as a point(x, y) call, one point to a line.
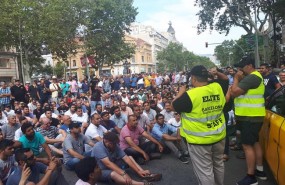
point(106, 25)
point(176, 58)
point(55, 23)
point(33, 23)
point(221, 15)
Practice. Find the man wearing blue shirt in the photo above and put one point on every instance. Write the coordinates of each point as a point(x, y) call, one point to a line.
point(169, 136)
point(119, 119)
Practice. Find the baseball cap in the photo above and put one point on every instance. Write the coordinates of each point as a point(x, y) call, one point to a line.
point(74, 124)
point(18, 111)
point(246, 60)
point(200, 71)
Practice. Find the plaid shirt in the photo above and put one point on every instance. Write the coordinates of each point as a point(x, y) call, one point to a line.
point(5, 100)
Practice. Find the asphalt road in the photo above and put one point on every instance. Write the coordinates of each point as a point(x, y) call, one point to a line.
point(176, 173)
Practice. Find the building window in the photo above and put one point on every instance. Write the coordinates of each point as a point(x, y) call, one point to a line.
point(74, 63)
point(4, 63)
point(142, 58)
point(133, 59)
point(149, 70)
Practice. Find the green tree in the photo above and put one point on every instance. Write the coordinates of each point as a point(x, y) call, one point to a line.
point(26, 25)
point(106, 23)
point(58, 69)
point(222, 15)
point(176, 58)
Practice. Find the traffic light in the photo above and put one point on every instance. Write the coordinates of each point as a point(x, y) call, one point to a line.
point(206, 44)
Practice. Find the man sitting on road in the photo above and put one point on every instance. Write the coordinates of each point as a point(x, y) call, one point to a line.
point(109, 124)
point(173, 140)
point(129, 141)
point(111, 158)
point(95, 131)
point(52, 134)
point(33, 140)
point(80, 117)
point(9, 129)
point(119, 118)
point(73, 146)
point(7, 160)
point(26, 159)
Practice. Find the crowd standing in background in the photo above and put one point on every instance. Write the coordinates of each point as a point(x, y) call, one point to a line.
point(100, 127)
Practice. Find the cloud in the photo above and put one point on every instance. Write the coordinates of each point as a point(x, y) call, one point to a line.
point(182, 14)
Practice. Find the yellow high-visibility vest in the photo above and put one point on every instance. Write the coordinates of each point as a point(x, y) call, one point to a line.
point(205, 124)
point(252, 102)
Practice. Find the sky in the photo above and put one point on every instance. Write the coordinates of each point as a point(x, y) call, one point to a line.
point(182, 14)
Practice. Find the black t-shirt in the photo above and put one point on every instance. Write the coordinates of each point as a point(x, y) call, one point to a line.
point(19, 92)
point(270, 81)
point(184, 103)
point(38, 113)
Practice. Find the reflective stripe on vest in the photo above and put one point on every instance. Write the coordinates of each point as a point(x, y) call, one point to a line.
point(245, 105)
point(202, 134)
point(202, 120)
point(252, 103)
point(250, 96)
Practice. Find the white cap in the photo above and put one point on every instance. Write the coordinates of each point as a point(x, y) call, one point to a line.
point(53, 77)
point(27, 82)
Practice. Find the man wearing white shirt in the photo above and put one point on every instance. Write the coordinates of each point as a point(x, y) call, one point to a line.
point(3, 119)
point(167, 112)
point(80, 117)
point(95, 131)
point(125, 98)
point(176, 121)
point(18, 132)
point(71, 111)
point(54, 89)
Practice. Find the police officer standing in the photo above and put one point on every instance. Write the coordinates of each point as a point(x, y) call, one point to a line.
point(248, 89)
point(203, 124)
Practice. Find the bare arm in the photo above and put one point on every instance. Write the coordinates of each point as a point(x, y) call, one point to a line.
point(149, 137)
point(235, 89)
point(75, 154)
point(47, 150)
point(112, 166)
point(134, 146)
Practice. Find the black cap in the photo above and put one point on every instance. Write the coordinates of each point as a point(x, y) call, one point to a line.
point(246, 60)
point(112, 137)
point(200, 71)
point(18, 111)
point(104, 113)
point(74, 124)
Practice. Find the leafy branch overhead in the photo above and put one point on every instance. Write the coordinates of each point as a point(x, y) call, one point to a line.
point(55, 24)
point(221, 15)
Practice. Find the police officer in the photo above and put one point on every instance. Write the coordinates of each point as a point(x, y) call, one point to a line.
point(203, 124)
point(248, 89)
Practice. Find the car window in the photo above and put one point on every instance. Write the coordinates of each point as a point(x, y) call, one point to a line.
point(276, 102)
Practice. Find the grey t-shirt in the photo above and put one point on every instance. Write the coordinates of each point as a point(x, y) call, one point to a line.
point(9, 131)
point(77, 145)
point(6, 167)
